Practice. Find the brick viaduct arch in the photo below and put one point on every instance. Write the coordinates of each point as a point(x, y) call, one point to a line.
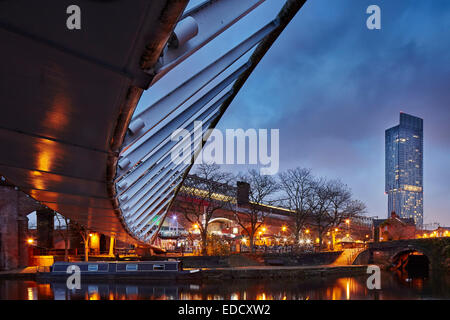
point(437, 251)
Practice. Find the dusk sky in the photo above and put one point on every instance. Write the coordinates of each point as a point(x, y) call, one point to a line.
point(332, 87)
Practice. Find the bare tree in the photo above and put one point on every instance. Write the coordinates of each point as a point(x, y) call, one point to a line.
point(343, 207)
point(319, 203)
point(296, 186)
point(261, 191)
point(202, 195)
point(331, 204)
point(84, 233)
point(63, 230)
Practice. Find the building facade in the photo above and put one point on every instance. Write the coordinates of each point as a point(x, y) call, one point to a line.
point(404, 168)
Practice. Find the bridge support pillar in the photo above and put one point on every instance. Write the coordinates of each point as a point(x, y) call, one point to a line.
point(112, 243)
point(45, 227)
point(14, 249)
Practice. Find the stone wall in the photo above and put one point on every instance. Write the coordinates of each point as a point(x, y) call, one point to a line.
point(14, 207)
point(240, 260)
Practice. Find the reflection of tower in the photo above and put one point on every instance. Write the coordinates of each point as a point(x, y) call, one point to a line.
point(404, 168)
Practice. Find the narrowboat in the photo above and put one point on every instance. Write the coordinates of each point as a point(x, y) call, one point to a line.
point(155, 270)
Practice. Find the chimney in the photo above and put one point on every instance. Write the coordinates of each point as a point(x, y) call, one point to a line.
point(243, 190)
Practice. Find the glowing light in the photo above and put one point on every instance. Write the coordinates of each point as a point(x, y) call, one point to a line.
point(336, 230)
point(348, 290)
point(347, 221)
point(30, 241)
point(307, 231)
point(31, 293)
point(283, 228)
point(261, 296)
point(44, 160)
point(412, 188)
point(195, 226)
point(263, 229)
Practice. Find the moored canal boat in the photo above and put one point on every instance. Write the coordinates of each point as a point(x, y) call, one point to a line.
point(145, 270)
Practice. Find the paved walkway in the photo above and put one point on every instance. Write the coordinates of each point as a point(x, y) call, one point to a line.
point(23, 272)
point(347, 257)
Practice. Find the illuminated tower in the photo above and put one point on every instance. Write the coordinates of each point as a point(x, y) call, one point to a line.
point(404, 168)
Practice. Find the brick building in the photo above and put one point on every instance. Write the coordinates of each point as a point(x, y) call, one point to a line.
point(394, 228)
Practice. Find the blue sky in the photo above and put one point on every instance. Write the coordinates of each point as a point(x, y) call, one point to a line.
point(332, 87)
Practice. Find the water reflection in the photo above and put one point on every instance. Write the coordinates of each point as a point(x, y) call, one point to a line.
point(394, 286)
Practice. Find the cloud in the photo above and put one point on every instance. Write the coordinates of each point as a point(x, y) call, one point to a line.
point(333, 87)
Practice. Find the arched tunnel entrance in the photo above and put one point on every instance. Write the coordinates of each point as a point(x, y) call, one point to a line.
point(411, 264)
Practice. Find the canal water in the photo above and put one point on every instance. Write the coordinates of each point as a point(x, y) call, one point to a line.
point(393, 286)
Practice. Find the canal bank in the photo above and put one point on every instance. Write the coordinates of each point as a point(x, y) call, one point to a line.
point(289, 272)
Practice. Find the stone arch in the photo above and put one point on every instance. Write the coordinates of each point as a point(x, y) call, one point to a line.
point(405, 250)
point(414, 261)
point(221, 219)
point(362, 257)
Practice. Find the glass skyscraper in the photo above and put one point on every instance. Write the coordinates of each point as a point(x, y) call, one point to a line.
point(404, 168)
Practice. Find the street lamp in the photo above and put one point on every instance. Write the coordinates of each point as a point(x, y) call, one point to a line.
point(174, 218)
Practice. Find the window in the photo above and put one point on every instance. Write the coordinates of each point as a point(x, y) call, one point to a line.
point(92, 267)
point(131, 267)
point(159, 267)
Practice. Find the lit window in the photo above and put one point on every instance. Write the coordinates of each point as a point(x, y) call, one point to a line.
point(131, 267)
point(93, 267)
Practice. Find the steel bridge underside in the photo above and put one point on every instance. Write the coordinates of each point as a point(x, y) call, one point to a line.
point(69, 137)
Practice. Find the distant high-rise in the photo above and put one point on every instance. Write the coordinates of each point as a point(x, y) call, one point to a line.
point(404, 168)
